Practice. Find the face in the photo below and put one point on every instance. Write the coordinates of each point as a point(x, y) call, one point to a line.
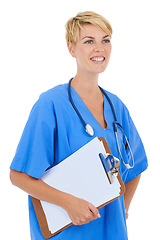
point(92, 50)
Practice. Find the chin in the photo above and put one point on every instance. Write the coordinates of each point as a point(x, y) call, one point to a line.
point(100, 70)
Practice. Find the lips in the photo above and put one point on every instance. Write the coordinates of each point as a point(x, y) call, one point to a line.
point(97, 59)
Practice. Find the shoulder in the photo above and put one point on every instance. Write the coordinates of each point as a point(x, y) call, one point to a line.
point(53, 96)
point(116, 101)
point(119, 107)
point(50, 100)
point(54, 93)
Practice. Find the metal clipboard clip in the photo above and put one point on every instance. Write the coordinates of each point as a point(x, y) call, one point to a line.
point(110, 164)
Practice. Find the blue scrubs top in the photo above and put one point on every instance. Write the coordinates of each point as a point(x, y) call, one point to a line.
point(53, 132)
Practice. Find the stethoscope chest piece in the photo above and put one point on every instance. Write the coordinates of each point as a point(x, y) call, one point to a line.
point(89, 130)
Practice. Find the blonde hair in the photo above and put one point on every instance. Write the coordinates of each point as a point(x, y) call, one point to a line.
point(75, 24)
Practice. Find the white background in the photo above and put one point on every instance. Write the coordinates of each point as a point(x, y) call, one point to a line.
point(34, 58)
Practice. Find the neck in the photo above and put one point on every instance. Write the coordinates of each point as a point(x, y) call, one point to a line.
point(86, 85)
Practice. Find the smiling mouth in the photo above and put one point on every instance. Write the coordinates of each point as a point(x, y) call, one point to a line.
point(97, 59)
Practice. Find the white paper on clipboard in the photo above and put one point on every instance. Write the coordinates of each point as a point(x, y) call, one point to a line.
point(82, 175)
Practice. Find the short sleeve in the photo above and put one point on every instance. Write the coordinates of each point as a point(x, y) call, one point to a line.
point(35, 151)
point(140, 158)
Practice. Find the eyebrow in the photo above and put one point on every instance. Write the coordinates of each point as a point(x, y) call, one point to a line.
point(94, 38)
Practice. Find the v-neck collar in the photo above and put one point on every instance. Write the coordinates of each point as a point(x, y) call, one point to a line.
point(87, 114)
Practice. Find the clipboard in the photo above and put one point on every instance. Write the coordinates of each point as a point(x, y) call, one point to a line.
point(41, 217)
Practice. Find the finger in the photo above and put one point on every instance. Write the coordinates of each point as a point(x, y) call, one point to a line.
point(94, 210)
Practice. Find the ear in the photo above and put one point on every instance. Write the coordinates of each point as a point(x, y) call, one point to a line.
point(71, 49)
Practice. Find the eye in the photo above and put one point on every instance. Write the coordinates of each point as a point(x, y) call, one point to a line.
point(106, 41)
point(89, 42)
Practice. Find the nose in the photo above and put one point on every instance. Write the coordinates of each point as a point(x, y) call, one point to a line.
point(99, 48)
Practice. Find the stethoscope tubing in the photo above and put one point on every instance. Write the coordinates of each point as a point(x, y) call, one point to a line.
point(74, 106)
point(114, 123)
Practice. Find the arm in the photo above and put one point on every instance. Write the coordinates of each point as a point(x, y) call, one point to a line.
point(130, 189)
point(79, 210)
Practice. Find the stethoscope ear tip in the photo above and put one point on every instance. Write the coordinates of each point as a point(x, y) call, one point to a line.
point(89, 130)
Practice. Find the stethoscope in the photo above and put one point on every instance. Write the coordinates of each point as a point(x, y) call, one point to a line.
point(90, 130)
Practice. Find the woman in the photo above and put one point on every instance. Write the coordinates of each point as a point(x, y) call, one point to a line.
point(54, 131)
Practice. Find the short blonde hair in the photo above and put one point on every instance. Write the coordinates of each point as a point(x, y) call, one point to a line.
point(74, 25)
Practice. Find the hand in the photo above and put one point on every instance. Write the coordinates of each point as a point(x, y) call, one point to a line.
point(126, 212)
point(81, 211)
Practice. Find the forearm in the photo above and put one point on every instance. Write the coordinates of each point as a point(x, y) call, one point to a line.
point(79, 210)
point(130, 189)
point(38, 189)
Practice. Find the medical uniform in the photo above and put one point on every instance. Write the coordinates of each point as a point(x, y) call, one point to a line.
point(53, 132)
